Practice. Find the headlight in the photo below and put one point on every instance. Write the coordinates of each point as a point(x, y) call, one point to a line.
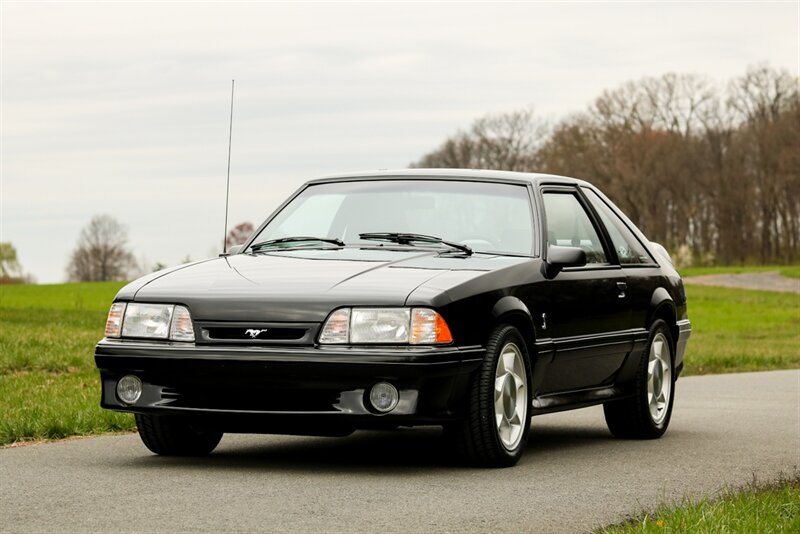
point(147, 320)
point(379, 325)
point(397, 326)
point(155, 321)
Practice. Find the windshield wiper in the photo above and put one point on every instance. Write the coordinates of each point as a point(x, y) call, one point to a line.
point(408, 239)
point(296, 239)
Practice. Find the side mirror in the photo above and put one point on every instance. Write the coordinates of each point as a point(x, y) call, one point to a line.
point(235, 249)
point(560, 257)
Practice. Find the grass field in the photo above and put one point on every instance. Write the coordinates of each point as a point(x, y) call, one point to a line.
point(754, 509)
point(49, 387)
point(735, 330)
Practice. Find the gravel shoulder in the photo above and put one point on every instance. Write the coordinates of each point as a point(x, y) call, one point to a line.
point(726, 429)
point(764, 281)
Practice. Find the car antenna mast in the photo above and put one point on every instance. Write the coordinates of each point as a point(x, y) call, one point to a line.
point(228, 181)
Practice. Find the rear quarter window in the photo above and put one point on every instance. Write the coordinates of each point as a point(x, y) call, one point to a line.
point(629, 249)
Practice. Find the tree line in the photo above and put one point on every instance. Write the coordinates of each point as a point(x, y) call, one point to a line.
point(711, 172)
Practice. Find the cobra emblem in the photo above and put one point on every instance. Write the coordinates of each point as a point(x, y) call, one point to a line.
point(253, 333)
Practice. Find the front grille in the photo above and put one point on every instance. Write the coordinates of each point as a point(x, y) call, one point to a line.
point(257, 333)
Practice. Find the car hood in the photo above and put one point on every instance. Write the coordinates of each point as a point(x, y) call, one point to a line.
point(305, 285)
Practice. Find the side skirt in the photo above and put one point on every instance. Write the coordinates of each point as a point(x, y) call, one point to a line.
point(571, 400)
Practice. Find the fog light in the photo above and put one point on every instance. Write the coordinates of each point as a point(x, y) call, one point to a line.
point(383, 396)
point(129, 389)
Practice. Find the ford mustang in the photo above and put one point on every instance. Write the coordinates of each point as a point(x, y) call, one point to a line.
point(471, 300)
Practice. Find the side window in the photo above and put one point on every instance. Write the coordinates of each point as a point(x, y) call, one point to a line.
point(569, 225)
point(629, 249)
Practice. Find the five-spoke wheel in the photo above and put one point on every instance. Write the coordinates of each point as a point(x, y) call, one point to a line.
point(659, 378)
point(510, 395)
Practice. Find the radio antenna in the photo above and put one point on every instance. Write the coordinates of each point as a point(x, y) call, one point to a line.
point(228, 182)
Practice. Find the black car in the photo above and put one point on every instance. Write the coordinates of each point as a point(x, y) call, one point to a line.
point(467, 299)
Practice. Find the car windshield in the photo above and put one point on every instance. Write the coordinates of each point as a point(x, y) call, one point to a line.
point(487, 217)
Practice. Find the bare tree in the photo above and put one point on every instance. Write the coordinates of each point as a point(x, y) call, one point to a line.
point(9, 265)
point(10, 269)
point(507, 141)
point(101, 252)
point(766, 101)
point(238, 234)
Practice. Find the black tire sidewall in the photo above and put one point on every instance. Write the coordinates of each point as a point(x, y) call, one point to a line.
point(175, 436)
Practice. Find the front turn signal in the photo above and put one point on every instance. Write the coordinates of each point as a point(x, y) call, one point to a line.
point(428, 327)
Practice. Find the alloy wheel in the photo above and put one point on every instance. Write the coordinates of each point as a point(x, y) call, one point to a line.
point(510, 396)
point(659, 378)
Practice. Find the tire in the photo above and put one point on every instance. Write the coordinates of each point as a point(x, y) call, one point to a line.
point(174, 436)
point(634, 418)
point(478, 438)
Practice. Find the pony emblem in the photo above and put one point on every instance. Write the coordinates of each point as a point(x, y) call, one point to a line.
point(253, 333)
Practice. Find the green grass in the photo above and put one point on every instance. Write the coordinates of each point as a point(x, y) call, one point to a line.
point(736, 330)
point(84, 296)
point(762, 509)
point(49, 386)
point(791, 271)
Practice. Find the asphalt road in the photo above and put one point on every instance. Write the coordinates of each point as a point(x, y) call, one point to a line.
point(726, 429)
point(769, 281)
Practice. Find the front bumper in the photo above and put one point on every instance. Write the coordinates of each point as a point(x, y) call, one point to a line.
point(262, 388)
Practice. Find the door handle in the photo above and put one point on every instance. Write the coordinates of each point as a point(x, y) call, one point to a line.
point(621, 286)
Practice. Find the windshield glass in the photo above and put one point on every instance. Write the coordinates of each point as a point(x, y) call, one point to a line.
point(488, 217)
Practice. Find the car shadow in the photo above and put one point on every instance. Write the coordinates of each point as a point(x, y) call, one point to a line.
point(402, 451)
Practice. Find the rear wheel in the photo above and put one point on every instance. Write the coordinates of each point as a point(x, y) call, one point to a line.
point(175, 436)
point(495, 430)
point(646, 415)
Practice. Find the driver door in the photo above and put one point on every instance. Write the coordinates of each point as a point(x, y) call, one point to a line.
point(589, 309)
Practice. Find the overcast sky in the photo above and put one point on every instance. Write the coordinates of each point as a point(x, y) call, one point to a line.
point(123, 108)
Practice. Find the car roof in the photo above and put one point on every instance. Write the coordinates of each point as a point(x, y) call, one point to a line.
point(452, 174)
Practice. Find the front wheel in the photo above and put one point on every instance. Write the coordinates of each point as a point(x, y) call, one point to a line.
point(646, 415)
point(495, 430)
point(174, 436)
